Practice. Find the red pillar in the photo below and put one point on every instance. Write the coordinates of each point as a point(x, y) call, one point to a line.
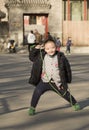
point(68, 9)
point(85, 10)
point(46, 26)
point(45, 23)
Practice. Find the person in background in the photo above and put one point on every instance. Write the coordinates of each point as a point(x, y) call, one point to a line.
point(11, 46)
point(31, 40)
point(50, 71)
point(49, 36)
point(38, 37)
point(68, 45)
point(58, 43)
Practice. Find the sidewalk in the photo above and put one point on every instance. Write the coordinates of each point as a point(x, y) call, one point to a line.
point(74, 50)
point(77, 50)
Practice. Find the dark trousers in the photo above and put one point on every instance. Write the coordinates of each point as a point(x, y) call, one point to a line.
point(43, 87)
point(12, 50)
point(68, 49)
point(30, 46)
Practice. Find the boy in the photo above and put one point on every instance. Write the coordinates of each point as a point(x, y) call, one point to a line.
point(51, 71)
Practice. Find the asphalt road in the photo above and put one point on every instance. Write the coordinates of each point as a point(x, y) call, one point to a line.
point(53, 112)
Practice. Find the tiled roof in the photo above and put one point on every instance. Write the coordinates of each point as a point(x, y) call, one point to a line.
point(3, 8)
point(31, 3)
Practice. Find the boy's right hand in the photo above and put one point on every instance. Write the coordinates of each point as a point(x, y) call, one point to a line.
point(39, 47)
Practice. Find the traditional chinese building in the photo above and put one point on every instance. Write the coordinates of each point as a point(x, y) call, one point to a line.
point(25, 15)
point(76, 21)
point(62, 18)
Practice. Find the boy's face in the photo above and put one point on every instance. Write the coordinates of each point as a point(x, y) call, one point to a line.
point(50, 48)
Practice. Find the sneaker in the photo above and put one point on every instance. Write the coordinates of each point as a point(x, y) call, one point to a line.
point(31, 111)
point(76, 107)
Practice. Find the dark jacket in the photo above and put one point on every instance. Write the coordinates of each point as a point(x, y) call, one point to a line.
point(37, 56)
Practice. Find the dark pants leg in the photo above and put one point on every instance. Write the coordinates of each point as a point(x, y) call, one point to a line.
point(67, 96)
point(68, 49)
point(39, 90)
point(28, 47)
point(43, 87)
point(14, 50)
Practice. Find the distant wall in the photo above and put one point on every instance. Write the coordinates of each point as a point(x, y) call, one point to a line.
point(4, 29)
point(78, 31)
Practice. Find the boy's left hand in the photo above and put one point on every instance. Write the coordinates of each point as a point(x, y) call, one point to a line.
point(60, 88)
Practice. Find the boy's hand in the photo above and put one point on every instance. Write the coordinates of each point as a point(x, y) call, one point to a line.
point(60, 88)
point(39, 47)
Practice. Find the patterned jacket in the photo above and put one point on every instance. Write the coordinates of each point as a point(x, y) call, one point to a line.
point(37, 56)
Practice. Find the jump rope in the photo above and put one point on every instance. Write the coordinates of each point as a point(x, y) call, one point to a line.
point(52, 86)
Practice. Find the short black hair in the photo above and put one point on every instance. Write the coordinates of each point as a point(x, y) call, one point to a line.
point(31, 31)
point(50, 40)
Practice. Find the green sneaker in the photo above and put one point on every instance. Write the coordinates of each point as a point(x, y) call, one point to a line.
point(31, 111)
point(76, 107)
